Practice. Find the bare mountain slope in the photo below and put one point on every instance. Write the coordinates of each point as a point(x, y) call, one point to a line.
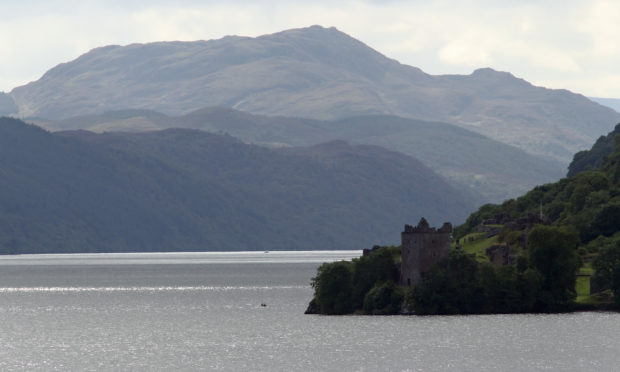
point(315, 73)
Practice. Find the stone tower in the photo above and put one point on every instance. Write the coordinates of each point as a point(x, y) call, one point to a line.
point(422, 246)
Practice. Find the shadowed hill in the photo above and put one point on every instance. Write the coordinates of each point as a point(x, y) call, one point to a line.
point(495, 170)
point(187, 190)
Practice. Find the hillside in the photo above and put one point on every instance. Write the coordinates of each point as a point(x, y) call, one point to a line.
point(585, 205)
point(318, 73)
point(594, 158)
point(494, 170)
point(613, 103)
point(187, 190)
point(7, 105)
point(588, 201)
point(555, 249)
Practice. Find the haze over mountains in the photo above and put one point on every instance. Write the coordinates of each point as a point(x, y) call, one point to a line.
point(613, 103)
point(316, 142)
point(188, 190)
point(492, 169)
point(313, 73)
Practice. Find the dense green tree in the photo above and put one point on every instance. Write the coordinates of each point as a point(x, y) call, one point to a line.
point(611, 164)
point(384, 299)
point(607, 269)
point(552, 252)
point(332, 288)
point(449, 287)
point(365, 284)
point(461, 285)
point(377, 267)
point(607, 220)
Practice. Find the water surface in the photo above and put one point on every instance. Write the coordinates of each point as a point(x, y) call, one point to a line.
point(201, 311)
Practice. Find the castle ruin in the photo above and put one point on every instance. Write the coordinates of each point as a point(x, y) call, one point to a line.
point(422, 246)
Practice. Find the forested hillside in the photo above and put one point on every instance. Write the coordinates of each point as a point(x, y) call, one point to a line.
point(493, 169)
point(593, 158)
point(588, 201)
point(560, 251)
point(187, 190)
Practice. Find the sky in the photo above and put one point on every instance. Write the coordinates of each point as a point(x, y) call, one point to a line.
point(567, 44)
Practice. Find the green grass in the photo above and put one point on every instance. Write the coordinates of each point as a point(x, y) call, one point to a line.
point(601, 300)
point(478, 246)
point(586, 269)
point(582, 287)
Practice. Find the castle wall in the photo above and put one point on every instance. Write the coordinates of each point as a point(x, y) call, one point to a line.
point(422, 247)
point(410, 266)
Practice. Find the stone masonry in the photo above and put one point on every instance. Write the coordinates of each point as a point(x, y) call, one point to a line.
point(422, 246)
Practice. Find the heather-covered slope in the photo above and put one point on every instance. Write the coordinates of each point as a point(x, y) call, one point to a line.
point(187, 190)
point(314, 73)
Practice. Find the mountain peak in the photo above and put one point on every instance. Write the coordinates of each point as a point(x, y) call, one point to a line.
point(488, 71)
point(313, 72)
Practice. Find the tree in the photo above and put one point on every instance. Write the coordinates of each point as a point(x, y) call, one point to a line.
point(332, 288)
point(449, 287)
point(384, 299)
point(607, 220)
point(552, 252)
point(607, 269)
point(372, 269)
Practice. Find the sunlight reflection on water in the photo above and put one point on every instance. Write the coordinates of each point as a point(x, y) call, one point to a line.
point(88, 313)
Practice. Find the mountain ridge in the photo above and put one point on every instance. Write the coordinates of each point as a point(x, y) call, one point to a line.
point(314, 73)
point(495, 170)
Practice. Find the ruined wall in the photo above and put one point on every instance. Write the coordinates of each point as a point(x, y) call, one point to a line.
point(422, 246)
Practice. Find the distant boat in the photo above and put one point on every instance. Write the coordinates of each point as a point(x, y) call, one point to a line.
point(266, 251)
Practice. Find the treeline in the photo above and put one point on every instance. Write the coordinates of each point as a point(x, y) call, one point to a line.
point(363, 285)
point(541, 281)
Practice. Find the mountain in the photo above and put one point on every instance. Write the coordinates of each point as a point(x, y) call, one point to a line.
point(188, 190)
point(613, 103)
point(7, 105)
point(495, 170)
point(318, 73)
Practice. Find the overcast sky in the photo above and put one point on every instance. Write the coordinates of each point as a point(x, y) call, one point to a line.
point(557, 44)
